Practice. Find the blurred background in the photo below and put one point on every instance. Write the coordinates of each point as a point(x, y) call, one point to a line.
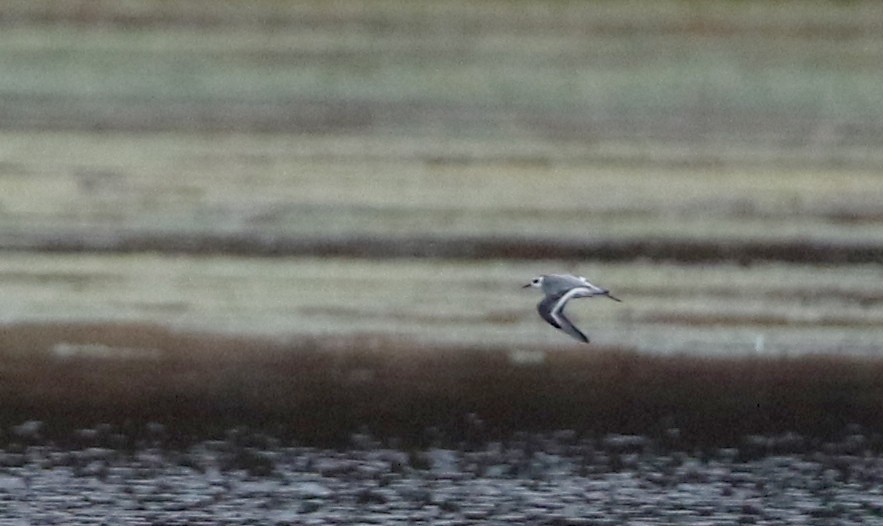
point(261, 261)
point(395, 171)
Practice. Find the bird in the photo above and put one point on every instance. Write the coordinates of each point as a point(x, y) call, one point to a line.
point(559, 289)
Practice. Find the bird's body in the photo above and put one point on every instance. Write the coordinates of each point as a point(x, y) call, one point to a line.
point(559, 289)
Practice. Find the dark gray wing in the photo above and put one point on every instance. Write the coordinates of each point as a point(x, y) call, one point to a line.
point(545, 309)
point(551, 309)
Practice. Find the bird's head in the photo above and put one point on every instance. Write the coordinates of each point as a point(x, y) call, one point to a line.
point(536, 282)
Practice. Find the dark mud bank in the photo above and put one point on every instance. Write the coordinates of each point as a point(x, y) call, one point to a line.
point(320, 391)
point(451, 247)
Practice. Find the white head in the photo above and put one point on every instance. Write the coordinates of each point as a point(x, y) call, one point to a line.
point(536, 282)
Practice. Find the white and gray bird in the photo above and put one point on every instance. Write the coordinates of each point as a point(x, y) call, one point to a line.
point(559, 289)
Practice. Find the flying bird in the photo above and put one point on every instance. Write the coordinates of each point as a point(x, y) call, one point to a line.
point(559, 289)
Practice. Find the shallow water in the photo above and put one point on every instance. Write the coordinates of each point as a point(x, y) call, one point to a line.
point(550, 479)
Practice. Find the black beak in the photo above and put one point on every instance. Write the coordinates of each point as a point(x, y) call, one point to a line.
point(614, 298)
point(526, 286)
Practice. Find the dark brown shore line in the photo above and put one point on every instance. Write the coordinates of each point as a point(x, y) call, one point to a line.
point(255, 244)
point(322, 390)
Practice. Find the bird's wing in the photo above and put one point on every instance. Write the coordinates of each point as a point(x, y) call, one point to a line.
point(552, 310)
point(545, 309)
point(568, 327)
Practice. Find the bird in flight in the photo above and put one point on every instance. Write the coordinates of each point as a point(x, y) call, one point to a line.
point(559, 289)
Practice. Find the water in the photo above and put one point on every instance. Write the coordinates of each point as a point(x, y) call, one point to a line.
point(532, 479)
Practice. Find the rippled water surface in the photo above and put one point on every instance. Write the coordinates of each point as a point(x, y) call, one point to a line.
point(552, 479)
